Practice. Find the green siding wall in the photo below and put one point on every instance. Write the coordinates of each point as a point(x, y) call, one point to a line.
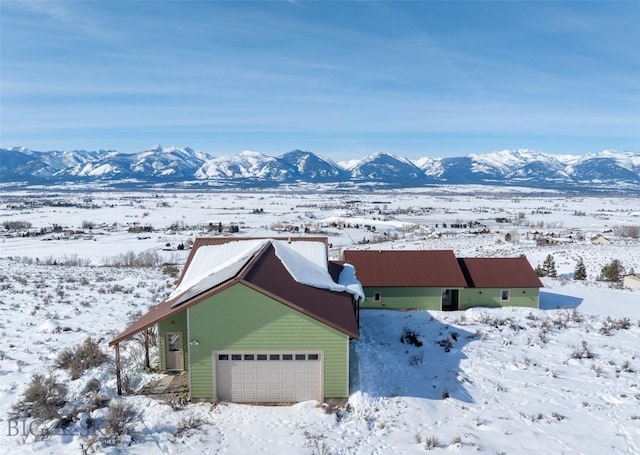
point(176, 323)
point(521, 297)
point(404, 298)
point(424, 298)
point(241, 319)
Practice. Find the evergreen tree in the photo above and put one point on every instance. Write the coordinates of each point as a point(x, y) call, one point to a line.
point(612, 271)
point(580, 273)
point(548, 268)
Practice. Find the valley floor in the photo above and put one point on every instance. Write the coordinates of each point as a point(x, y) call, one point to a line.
point(562, 379)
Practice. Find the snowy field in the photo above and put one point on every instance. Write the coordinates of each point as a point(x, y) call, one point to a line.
point(563, 379)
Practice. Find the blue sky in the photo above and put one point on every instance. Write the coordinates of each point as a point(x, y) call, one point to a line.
point(341, 79)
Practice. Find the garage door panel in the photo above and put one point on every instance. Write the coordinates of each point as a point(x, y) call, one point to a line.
point(268, 377)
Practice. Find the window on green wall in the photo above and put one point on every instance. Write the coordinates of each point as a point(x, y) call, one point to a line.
point(377, 297)
point(504, 295)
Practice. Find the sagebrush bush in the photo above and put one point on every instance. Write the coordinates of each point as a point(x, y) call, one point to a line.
point(431, 442)
point(188, 423)
point(92, 386)
point(171, 270)
point(42, 399)
point(583, 352)
point(120, 418)
point(96, 401)
point(78, 360)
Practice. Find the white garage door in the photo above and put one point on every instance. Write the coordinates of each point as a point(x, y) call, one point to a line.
point(268, 377)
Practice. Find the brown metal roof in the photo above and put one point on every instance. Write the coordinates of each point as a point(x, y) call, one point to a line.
point(265, 273)
point(499, 273)
point(416, 268)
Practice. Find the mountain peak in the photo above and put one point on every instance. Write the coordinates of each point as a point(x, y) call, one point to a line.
point(608, 169)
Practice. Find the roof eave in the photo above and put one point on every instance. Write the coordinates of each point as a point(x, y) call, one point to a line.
point(173, 310)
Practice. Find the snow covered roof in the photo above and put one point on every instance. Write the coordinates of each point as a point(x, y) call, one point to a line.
point(293, 272)
point(306, 262)
point(212, 265)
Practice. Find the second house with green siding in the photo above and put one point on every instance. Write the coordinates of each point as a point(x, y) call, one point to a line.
point(437, 280)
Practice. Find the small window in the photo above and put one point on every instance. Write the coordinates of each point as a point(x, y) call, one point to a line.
point(377, 297)
point(300, 356)
point(274, 356)
point(504, 295)
point(236, 357)
point(249, 357)
point(287, 357)
point(223, 356)
point(262, 356)
point(313, 357)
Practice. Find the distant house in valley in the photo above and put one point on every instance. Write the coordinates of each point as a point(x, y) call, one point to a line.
point(437, 280)
point(258, 320)
point(631, 282)
point(600, 240)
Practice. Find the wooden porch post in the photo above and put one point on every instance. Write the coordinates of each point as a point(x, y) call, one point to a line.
point(147, 363)
point(118, 377)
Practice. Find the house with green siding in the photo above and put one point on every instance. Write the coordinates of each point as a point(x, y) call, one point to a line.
point(499, 282)
point(437, 280)
point(258, 321)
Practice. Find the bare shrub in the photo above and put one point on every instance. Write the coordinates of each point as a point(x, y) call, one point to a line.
point(627, 231)
point(188, 423)
point(72, 261)
point(131, 259)
point(92, 386)
point(410, 337)
point(626, 367)
point(416, 359)
point(610, 325)
point(78, 360)
point(120, 418)
point(42, 399)
point(171, 270)
point(97, 401)
point(431, 442)
point(16, 225)
point(583, 352)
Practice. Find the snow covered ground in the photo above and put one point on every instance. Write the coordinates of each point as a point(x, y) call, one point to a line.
point(561, 379)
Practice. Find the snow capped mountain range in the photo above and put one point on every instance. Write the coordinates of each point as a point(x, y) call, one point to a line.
point(608, 169)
